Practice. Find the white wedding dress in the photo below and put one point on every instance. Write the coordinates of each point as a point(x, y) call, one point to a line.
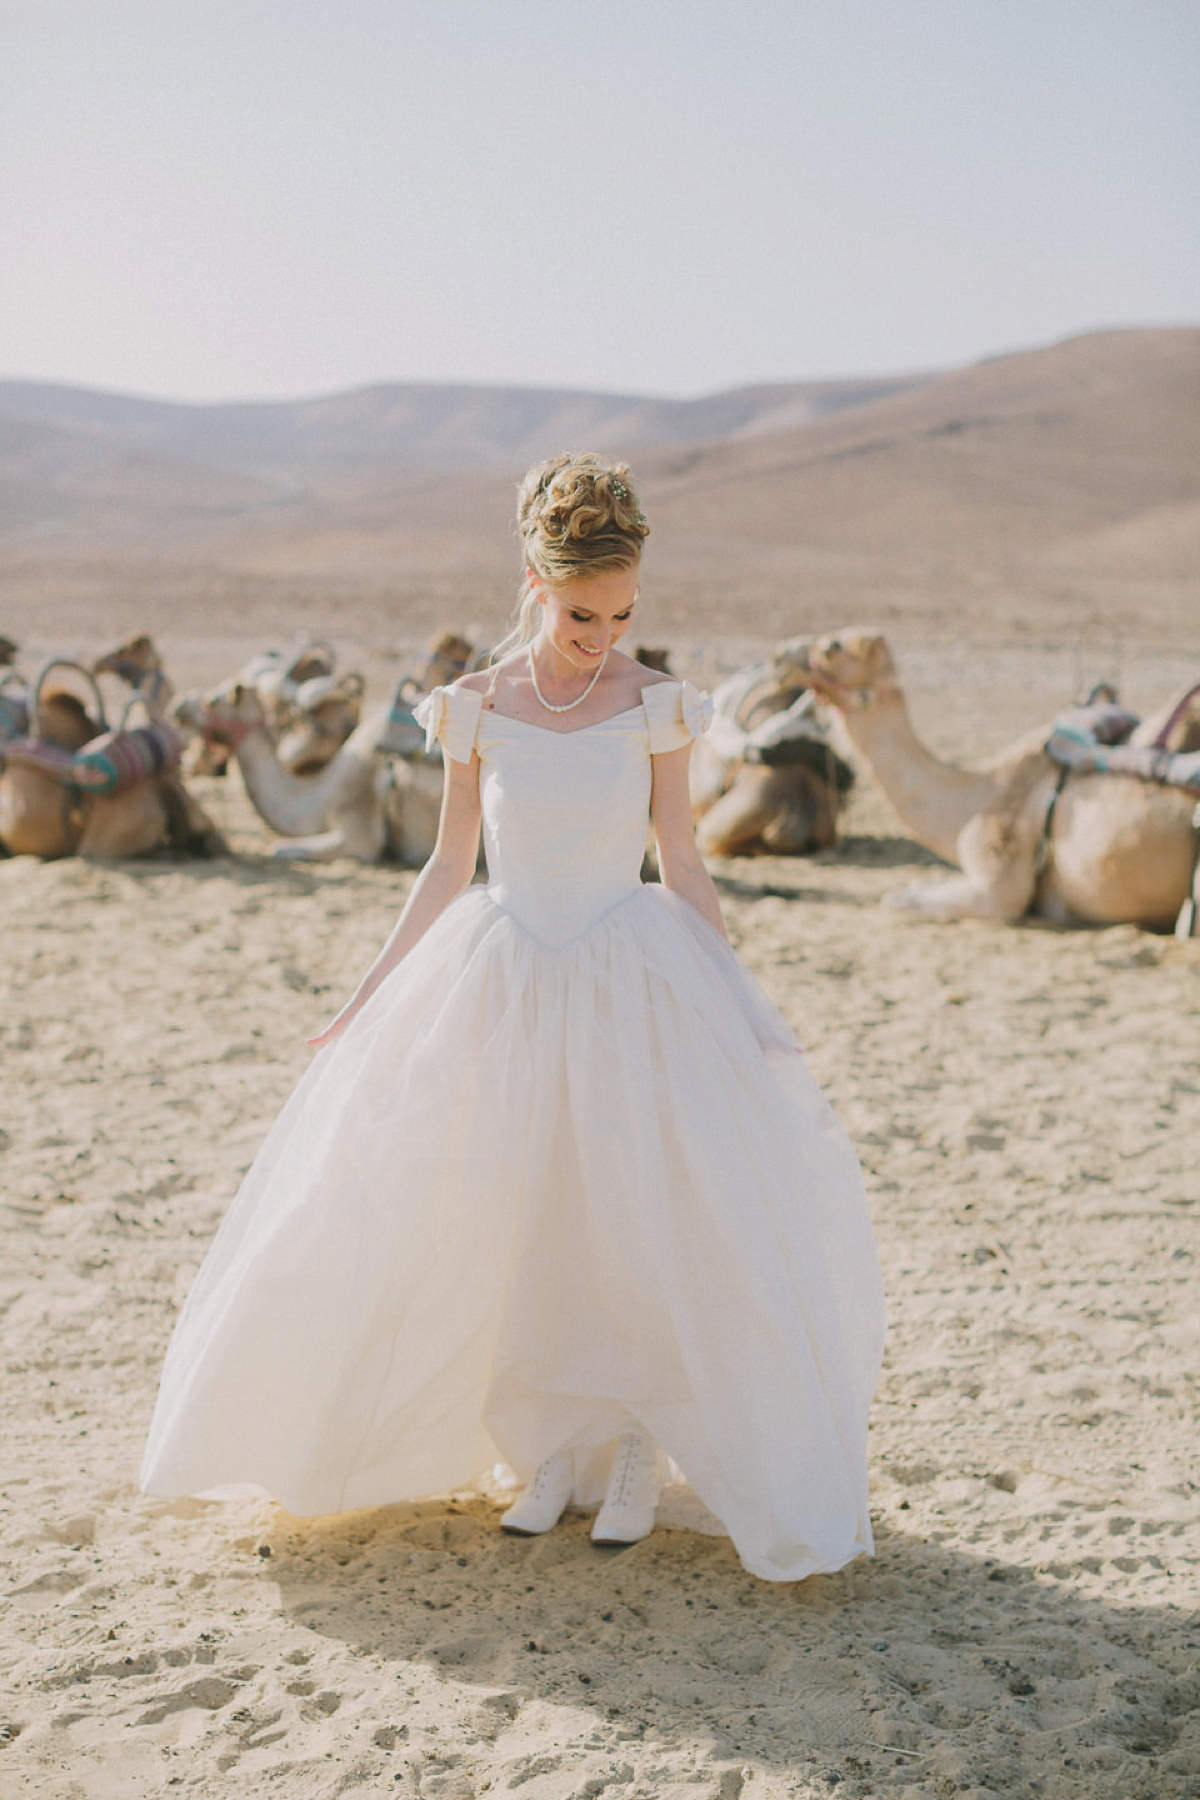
point(566, 1167)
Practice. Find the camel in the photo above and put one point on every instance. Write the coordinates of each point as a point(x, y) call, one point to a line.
point(376, 796)
point(136, 662)
point(1099, 849)
point(325, 710)
point(41, 815)
point(763, 780)
point(311, 711)
point(448, 655)
point(653, 656)
point(303, 702)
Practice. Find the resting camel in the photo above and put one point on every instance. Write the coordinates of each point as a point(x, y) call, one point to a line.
point(1110, 850)
point(763, 779)
point(41, 816)
point(325, 710)
point(447, 656)
point(364, 803)
point(136, 662)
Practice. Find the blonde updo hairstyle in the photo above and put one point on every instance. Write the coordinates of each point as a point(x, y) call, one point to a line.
point(576, 516)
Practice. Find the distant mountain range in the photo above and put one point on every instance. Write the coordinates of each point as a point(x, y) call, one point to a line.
point(1057, 489)
point(434, 425)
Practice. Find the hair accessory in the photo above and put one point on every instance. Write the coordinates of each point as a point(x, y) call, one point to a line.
point(620, 491)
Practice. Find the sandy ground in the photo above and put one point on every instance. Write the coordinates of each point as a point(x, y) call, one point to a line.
point(1027, 1105)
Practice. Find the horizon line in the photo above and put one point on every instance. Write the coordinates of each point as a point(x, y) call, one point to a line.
point(365, 387)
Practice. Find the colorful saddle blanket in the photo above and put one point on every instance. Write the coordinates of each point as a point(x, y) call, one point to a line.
point(1093, 740)
point(401, 735)
point(110, 763)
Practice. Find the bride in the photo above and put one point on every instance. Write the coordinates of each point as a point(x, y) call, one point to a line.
point(559, 1189)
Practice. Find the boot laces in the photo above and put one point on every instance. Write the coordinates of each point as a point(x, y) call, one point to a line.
point(626, 1470)
point(542, 1479)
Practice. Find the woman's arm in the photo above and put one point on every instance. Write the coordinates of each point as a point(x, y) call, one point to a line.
point(445, 875)
point(679, 861)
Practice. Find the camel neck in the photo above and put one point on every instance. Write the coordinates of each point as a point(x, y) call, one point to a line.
point(293, 805)
point(934, 799)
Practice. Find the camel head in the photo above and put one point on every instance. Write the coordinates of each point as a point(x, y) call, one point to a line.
point(851, 668)
point(446, 658)
point(789, 663)
point(226, 716)
point(132, 661)
point(311, 662)
point(63, 719)
point(327, 710)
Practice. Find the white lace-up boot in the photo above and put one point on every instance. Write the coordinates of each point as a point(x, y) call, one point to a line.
point(632, 1495)
point(540, 1506)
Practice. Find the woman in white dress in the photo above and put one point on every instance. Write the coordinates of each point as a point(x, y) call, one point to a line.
point(559, 1189)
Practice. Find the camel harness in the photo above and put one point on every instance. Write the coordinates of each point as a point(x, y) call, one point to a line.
point(113, 760)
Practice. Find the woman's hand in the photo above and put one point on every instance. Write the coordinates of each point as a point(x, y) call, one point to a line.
point(334, 1029)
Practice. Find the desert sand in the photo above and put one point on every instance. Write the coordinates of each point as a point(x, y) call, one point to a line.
point(1027, 1106)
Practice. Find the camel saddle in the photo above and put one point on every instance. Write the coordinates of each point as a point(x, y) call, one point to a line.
point(401, 735)
point(1094, 739)
point(798, 735)
point(108, 764)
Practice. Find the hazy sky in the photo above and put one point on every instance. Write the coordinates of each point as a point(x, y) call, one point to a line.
point(218, 198)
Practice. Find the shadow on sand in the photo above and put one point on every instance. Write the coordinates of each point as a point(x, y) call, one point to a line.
point(926, 1671)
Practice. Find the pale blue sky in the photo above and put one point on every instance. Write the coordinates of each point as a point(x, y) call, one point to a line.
point(239, 198)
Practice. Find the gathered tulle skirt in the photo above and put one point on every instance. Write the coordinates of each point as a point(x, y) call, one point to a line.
point(530, 1193)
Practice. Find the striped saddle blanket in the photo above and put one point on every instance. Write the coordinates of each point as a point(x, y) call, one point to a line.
point(110, 763)
point(1094, 740)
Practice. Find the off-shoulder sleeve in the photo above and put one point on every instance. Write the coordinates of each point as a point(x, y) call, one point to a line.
point(450, 715)
point(676, 712)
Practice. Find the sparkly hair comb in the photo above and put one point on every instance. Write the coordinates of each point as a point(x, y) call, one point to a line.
point(620, 491)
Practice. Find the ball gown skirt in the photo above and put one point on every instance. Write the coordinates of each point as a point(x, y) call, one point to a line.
point(566, 1167)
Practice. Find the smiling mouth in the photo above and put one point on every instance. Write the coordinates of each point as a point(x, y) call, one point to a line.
point(584, 651)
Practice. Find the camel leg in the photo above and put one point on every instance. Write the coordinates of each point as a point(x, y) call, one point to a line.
point(323, 847)
point(129, 823)
point(999, 873)
point(734, 825)
point(189, 827)
point(806, 815)
point(36, 816)
point(356, 837)
point(961, 897)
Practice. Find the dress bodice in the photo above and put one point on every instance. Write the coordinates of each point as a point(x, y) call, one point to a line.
point(564, 812)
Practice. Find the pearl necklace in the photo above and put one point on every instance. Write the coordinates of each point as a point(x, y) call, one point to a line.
point(571, 704)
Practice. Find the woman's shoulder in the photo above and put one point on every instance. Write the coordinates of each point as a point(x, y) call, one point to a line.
point(637, 676)
point(485, 681)
point(653, 678)
point(478, 682)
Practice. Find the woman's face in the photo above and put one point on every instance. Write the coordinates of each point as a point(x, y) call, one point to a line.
point(583, 619)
